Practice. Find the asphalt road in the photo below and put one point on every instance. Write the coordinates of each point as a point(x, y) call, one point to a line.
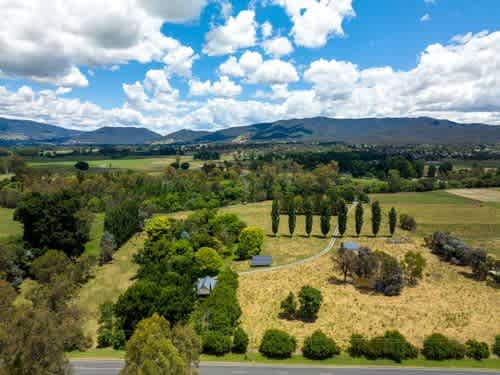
point(113, 368)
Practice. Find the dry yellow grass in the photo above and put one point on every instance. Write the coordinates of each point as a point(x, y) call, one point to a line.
point(109, 282)
point(482, 195)
point(444, 301)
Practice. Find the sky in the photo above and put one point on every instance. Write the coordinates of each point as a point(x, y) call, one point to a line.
point(212, 64)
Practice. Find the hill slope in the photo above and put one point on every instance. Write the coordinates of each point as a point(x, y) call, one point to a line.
point(26, 131)
point(116, 136)
point(31, 132)
point(369, 130)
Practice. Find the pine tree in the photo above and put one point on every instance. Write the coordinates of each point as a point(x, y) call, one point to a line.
point(292, 216)
point(342, 217)
point(359, 218)
point(275, 216)
point(393, 220)
point(325, 217)
point(308, 210)
point(376, 217)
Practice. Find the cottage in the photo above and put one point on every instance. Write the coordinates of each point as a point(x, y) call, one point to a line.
point(261, 261)
point(205, 285)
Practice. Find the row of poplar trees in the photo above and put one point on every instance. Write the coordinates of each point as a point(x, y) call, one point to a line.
point(325, 217)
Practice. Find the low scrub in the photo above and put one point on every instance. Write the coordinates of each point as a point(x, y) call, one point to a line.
point(216, 343)
point(438, 347)
point(277, 344)
point(320, 346)
point(477, 350)
point(392, 345)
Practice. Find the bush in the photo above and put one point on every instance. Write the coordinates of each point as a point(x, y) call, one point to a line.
point(123, 221)
point(119, 339)
point(477, 350)
point(438, 347)
point(407, 222)
point(105, 338)
point(496, 346)
point(392, 345)
point(208, 262)
point(319, 346)
point(277, 344)
point(289, 307)
point(413, 265)
point(216, 343)
point(390, 278)
point(310, 302)
point(358, 346)
point(108, 247)
point(251, 240)
point(240, 341)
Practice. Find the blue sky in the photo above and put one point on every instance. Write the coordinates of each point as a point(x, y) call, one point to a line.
point(208, 64)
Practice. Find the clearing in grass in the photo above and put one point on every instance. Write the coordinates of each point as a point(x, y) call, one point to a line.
point(9, 227)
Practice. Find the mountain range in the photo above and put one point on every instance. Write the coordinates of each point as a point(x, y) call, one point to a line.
point(421, 130)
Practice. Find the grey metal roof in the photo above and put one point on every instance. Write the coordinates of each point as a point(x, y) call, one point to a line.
point(353, 246)
point(206, 282)
point(261, 260)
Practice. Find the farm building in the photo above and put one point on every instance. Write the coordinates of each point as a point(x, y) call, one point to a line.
point(261, 261)
point(205, 285)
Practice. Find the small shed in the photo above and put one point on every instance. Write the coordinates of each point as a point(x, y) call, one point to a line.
point(205, 285)
point(349, 246)
point(261, 261)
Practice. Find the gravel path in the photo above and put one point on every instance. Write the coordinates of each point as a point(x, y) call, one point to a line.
point(326, 250)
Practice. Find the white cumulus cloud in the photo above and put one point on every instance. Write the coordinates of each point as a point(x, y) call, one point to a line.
point(277, 47)
point(238, 32)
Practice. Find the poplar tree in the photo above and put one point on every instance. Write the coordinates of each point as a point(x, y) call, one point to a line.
point(342, 217)
point(292, 216)
point(359, 218)
point(275, 216)
point(393, 220)
point(325, 217)
point(308, 210)
point(376, 217)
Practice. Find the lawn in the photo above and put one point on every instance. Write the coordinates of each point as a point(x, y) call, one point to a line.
point(109, 282)
point(477, 223)
point(9, 227)
point(92, 246)
point(154, 164)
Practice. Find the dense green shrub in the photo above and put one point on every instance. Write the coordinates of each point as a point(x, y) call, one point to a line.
point(389, 280)
point(439, 347)
point(358, 345)
point(495, 348)
point(48, 265)
point(251, 240)
point(310, 302)
point(119, 339)
point(277, 344)
point(413, 266)
point(104, 338)
point(407, 222)
point(289, 307)
point(123, 221)
point(319, 346)
point(208, 262)
point(392, 345)
point(240, 341)
point(477, 350)
point(216, 343)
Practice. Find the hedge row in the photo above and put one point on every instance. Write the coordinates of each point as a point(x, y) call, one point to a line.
point(392, 345)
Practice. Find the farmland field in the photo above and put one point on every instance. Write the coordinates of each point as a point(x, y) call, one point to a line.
point(140, 164)
point(477, 223)
point(8, 227)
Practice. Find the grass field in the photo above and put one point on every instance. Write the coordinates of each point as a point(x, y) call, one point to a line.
point(92, 246)
point(482, 195)
point(477, 223)
point(109, 282)
point(8, 227)
point(445, 301)
point(140, 164)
